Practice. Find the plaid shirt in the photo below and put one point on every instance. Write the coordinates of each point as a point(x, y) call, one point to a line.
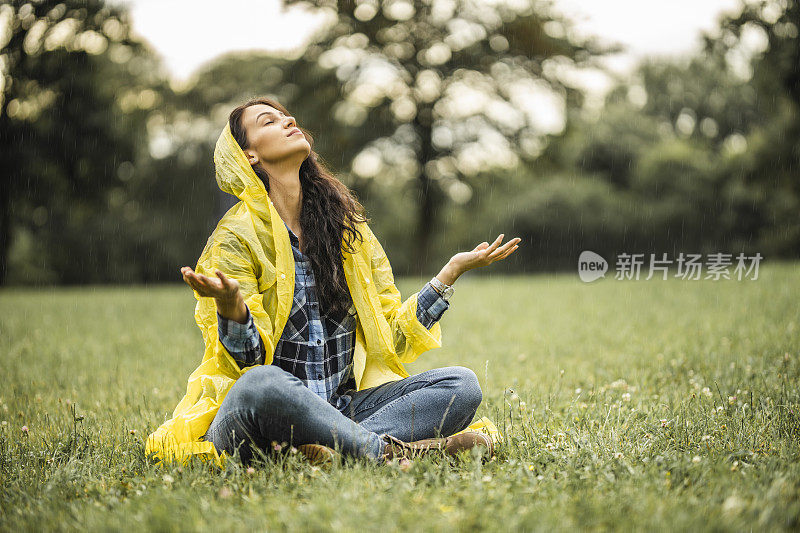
point(317, 349)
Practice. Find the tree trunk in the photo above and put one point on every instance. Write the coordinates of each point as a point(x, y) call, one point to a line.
point(429, 199)
point(6, 190)
point(426, 218)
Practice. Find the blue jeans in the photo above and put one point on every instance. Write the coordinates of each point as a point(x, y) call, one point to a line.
point(270, 404)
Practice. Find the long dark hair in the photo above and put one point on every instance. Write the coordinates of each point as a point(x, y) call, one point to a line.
point(328, 217)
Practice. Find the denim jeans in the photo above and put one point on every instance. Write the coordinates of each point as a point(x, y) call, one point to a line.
point(270, 404)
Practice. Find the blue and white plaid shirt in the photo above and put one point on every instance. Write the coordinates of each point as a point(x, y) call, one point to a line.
point(317, 349)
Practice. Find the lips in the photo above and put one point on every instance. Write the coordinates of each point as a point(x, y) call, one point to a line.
point(294, 131)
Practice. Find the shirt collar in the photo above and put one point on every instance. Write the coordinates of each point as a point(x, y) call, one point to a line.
point(292, 237)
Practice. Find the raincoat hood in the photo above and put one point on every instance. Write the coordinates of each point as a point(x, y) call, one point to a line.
point(251, 244)
point(235, 175)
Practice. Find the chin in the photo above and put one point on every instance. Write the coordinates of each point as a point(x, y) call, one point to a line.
point(300, 153)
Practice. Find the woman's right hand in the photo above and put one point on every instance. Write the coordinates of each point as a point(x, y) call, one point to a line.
point(220, 288)
point(223, 289)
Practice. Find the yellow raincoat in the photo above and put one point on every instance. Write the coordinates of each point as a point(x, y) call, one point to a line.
point(251, 244)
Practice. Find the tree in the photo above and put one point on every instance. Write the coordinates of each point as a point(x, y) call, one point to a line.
point(764, 41)
point(409, 65)
point(68, 67)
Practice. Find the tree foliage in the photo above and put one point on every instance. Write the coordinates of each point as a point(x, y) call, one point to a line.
point(419, 106)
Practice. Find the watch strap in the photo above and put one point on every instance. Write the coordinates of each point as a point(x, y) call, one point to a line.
point(444, 290)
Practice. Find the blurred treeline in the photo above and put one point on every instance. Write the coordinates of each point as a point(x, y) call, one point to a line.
point(416, 106)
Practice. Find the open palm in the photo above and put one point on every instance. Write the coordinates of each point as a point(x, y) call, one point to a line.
point(222, 287)
point(485, 254)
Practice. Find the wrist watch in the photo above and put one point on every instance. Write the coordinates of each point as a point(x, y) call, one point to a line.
point(445, 290)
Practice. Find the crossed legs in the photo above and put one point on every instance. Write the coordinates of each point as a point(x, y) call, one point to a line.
point(269, 404)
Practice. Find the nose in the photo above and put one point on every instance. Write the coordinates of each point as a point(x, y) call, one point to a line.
point(291, 121)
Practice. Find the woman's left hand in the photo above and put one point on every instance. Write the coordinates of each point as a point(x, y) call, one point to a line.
point(485, 254)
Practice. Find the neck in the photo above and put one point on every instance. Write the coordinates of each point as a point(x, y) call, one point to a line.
point(286, 194)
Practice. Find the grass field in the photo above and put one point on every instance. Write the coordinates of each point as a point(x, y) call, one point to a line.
point(665, 405)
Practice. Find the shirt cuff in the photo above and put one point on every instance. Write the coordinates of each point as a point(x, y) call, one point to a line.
point(430, 305)
point(233, 335)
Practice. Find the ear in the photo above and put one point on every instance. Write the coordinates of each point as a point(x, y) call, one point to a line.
point(252, 158)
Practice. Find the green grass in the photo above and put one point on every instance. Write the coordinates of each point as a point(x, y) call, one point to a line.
point(627, 405)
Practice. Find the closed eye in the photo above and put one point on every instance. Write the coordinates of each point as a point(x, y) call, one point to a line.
point(271, 121)
point(268, 114)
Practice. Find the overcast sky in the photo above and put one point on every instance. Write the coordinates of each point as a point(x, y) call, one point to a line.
point(189, 33)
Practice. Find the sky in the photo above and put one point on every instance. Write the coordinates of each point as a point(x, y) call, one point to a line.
point(188, 34)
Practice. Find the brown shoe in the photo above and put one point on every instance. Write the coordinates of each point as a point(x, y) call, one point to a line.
point(451, 445)
point(396, 448)
point(467, 440)
point(317, 453)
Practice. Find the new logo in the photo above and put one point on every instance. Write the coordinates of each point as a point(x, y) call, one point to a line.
point(591, 266)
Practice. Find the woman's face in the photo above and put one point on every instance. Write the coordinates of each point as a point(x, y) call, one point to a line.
point(273, 137)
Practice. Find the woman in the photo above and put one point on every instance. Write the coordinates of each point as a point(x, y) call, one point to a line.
point(305, 331)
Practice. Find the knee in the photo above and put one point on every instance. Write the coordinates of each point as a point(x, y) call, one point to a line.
point(265, 384)
point(467, 385)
